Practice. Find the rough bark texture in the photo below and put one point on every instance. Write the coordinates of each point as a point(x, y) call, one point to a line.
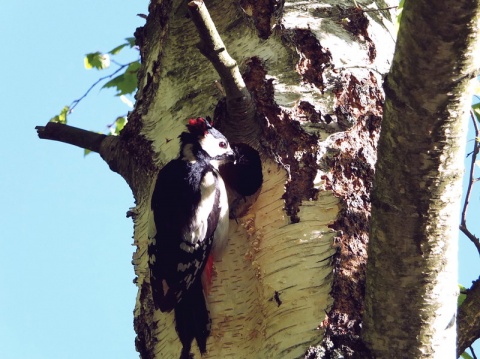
point(412, 267)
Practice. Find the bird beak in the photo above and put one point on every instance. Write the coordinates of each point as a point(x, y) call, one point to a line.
point(232, 156)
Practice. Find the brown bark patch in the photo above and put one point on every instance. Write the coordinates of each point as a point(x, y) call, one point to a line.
point(353, 20)
point(261, 11)
point(284, 139)
point(351, 164)
point(314, 57)
point(356, 97)
point(351, 178)
point(307, 112)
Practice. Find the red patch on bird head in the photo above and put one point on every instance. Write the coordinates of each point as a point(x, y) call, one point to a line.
point(199, 126)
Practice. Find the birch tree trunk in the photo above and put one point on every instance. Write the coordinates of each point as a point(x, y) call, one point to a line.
point(293, 275)
point(292, 281)
point(412, 275)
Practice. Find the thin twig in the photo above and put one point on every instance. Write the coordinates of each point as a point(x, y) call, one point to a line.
point(473, 352)
point(76, 102)
point(471, 180)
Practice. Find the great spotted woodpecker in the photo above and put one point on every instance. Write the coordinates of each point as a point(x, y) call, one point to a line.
point(190, 218)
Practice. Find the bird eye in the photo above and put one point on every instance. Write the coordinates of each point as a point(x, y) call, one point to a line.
point(222, 144)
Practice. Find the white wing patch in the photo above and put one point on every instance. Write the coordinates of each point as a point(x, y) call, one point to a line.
point(198, 229)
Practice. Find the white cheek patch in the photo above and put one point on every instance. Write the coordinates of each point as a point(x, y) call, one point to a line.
point(211, 145)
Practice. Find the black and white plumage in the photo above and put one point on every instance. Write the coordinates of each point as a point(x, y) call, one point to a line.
point(190, 220)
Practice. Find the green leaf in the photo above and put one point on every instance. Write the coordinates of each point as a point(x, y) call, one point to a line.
point(62, 116)
point(465, 355)
point(476, 110)
point(117, 49)
point(131, 41)
point(399, 15)
point(86, 152)
point(125, 83)
point(96, 60)
point(120, 123)
point(462, 295)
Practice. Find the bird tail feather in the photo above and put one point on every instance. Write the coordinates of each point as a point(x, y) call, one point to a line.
point(192, 320)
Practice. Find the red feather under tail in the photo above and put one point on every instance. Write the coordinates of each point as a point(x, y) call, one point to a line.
point(207, 275)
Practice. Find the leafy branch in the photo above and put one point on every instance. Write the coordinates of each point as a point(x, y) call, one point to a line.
point(123, 79)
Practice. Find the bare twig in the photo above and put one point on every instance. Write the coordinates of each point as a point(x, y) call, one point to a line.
point(471, 181)
point(240, 106)
point(213, 48)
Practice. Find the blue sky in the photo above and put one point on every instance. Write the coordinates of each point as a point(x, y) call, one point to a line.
point(65, 244)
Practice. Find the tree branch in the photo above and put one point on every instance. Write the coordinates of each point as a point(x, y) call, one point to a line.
point(113, 150)
point(471, 180)
point(241, 126)
point(469, 319)
point(213, 48)
point(71, 135)
point(420, 218)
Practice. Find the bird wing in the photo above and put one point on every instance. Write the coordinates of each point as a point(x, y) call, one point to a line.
point(185, 214)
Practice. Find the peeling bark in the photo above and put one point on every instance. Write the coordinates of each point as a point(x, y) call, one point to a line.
point(352, 159)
